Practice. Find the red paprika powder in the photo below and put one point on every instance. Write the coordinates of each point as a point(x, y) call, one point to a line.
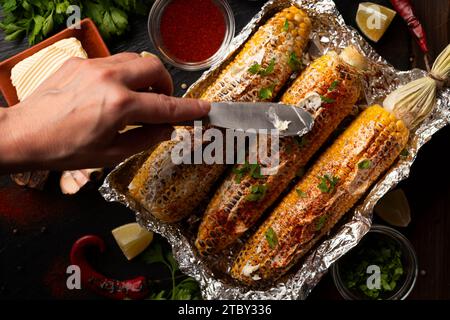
point(192, 30)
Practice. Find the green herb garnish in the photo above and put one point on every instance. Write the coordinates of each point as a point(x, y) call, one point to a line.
point(182, 287)
point(333, 85)
point(301, 193)
point(286, 25)
point(272, 238)
point(37, 19)
point(257, 193)
point(321, 222)
point(365, 164)
point(383, 253)
point(327, 183)
point(294, 63)
point(257, 69)
point(270, 68)
point(266, 93)
point(326, 99)
point(404, 153)
point(254, 170)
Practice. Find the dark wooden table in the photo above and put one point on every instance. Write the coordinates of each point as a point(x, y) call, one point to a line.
point(37, 228)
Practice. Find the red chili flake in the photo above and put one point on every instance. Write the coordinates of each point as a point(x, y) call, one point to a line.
point(20, 206)
point(23, 207)
point(55, 278)
point(192, 30)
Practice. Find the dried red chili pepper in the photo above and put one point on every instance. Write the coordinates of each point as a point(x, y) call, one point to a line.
point(406, 11)
point(100, 284)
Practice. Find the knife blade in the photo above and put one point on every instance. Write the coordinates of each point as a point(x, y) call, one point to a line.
point(244, 116)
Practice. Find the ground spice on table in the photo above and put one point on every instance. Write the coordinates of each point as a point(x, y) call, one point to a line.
point(192, 30)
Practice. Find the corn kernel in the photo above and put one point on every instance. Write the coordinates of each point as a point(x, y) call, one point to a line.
point(298, 18)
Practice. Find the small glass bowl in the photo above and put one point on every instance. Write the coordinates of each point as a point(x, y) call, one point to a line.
point(409, 261)
point(154, 22)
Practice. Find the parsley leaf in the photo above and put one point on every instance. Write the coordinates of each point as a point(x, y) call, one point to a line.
point(257, 193)
point(301, 193)
point(383, 253)
point(334, 85)
point(254, 170)
point(257, 69)
point(327, 183)
point(154, 254)
point(404, 153)
point(365, 164)
point(266, 93)
point(186, 289)
point(286, 25)
point(38, 19)
point(326, 99)
point(270, 68)
point(321, 222)
point(272, 238)
point(294, 62)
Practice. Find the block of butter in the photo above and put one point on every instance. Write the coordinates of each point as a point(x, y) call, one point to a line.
point(28, 74)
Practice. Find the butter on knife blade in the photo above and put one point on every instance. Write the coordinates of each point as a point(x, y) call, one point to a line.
point(242, 116)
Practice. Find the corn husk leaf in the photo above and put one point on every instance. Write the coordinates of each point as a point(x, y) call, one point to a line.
point(414, 101)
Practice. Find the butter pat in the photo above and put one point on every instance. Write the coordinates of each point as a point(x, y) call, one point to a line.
point(29, 74)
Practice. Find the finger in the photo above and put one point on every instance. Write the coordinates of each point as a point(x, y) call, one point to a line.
point(158, 108)
point(144, 73)
point(137, 140)
point(121, 57)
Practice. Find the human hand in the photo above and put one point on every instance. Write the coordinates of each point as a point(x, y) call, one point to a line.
point(73, 119)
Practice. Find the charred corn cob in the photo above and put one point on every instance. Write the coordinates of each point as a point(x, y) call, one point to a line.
point(171, 192)
point(233, 211)
point(330, 188)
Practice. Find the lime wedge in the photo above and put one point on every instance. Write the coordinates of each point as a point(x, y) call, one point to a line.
point(394, 209)
point(132, 239)
point(373, 20)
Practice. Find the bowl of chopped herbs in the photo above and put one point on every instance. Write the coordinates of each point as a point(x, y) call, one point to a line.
point(382, 267)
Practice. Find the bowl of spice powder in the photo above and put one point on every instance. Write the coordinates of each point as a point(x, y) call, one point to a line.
point(191, 34)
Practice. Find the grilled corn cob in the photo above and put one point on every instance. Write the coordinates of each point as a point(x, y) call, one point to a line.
point(171, 192)
point(331, 187)
point(232, 212)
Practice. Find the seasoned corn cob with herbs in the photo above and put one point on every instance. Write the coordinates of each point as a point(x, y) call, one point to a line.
point(336, 80)
point(266, 61)
point(331, 187)
point(171, 192)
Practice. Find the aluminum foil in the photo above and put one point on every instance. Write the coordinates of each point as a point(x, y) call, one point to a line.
point(329, 32)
